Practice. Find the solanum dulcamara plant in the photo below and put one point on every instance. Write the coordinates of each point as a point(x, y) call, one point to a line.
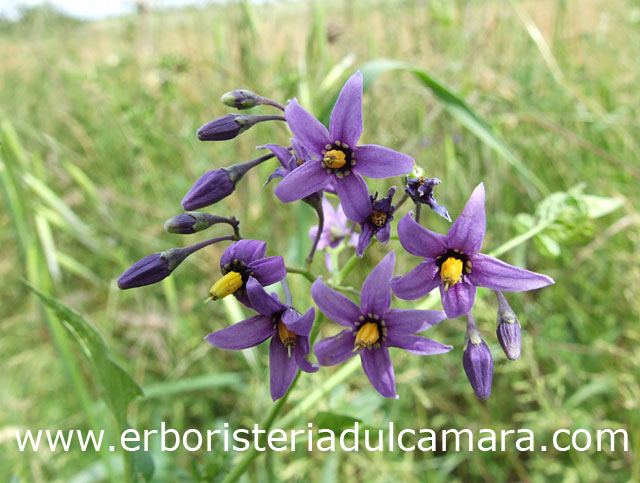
point(327, 169)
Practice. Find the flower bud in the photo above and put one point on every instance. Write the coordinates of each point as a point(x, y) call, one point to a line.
point(152, 268)
point(508, 330)
point(477, 361)
point(210, 188)
point(225, 127)
point(241, 99)
point(192, 222)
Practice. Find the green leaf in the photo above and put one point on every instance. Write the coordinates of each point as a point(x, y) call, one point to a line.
point(598, 206)
point(115, 384)
point(459, 109)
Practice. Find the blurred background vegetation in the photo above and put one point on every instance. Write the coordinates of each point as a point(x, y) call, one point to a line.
point(98, 122)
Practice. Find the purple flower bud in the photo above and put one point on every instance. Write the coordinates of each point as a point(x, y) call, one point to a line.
point(477, 361)
point(230, 126)
point(152, 268)
point(210, 188)
point(508, 331)
point(192, 222)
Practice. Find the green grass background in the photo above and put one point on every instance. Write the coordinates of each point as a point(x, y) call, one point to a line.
point(98, 123)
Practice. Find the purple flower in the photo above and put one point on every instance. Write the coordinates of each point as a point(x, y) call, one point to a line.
point(452, 262)
point(373, 327)
point(334, 231)
point(337, 156)
point(377, 221)
point(289, 332)
point(420, 190)
point(242, 260)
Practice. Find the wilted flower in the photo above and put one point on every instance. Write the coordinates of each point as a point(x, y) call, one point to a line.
point(377, 222)
point(289, 332)
point(244, 259)
point(477, 361)
point(452, 262)
point(337, 156)
point(508, 330)
point(420, 190)
point(334, 230)
point(373, 327)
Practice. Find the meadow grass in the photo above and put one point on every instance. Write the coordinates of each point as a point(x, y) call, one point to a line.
point(98, 123)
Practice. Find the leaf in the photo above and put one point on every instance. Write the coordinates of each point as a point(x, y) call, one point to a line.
point(598, 206)
point(456, 107)
point(115, 384)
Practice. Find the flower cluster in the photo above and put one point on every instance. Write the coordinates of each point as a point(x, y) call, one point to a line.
point(319, 165)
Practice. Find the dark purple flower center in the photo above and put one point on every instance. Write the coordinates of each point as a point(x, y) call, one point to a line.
point(378, 218)
point(453, 265)
point(338, 158)
point(238, 266)
point(370, 332)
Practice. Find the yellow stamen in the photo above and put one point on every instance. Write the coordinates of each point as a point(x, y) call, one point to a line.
point(335, 159)
point(367, 335)
point(287, 337)
point(226, 285)
point(378, 218)
point(451, 272)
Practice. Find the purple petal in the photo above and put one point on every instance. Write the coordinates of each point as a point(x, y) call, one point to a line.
point(268, 270)
point(283, 154)
point(376, 161)
point(261, 301)
point(299, 324)
point(459, 299)
point(248, 333)
point(336, 349)
point(495, 274)
point(354, 197)
point(365, 238)
point(417, 345)
point(300, 351)
point(419, 241)
point(334, 305)
point(401, 321)
point(279, 172)
point(384, 234)
point(375, 297)
point(283, 369)
point(244, 250)
point(467, 232)
point(378, 368)
point(303, 181)
point(346, 117)
point(418, 282)
point(307, 129)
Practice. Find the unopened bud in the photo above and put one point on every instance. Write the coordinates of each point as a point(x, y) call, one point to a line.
point(210, 188)
point(230, 126)
point(192, 222)
point(241, 99)
point(152, 268)
point(477, 361)
point(508, 331)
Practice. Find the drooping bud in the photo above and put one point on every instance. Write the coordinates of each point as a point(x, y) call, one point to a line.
point(217, 184)
point(192, 222)
point(477, 361)
point(152, 268)
point(508, 331)
point(230, 126)
point(245, 99)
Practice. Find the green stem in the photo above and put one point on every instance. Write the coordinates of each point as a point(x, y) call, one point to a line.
point(346, 270)
point(515, 241)
point(265, 425)
point(302, 271)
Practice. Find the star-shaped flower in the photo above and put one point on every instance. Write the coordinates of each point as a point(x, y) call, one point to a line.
point(452, 262)
point(374, 327)
point(337, 155)
point(289, 332)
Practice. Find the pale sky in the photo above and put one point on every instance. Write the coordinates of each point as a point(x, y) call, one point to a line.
point(91, 9)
